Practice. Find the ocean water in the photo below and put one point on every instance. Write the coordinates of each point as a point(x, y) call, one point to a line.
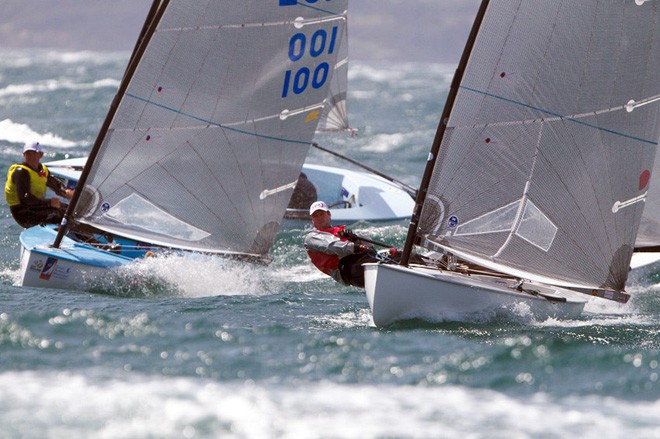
point(198, 347)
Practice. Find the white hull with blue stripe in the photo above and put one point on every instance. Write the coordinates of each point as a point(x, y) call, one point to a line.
point(71, 266)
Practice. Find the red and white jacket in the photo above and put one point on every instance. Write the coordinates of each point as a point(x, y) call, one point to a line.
point(325, 249)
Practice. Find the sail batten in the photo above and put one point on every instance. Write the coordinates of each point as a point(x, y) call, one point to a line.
point(231, 125)
point(297, 22)
point(558, 117)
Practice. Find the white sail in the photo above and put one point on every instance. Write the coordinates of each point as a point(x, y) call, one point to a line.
point(215, 123)
point(545, 159)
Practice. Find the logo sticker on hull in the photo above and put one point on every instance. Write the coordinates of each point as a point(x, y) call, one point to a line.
point(48, 269)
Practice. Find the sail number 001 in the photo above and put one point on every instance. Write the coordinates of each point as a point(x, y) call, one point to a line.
point(297, 81)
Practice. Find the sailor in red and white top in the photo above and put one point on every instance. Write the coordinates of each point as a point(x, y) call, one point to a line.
point(332, 252)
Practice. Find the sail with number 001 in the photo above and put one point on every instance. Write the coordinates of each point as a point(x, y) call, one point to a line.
point(204, 142)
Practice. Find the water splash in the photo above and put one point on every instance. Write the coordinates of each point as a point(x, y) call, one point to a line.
point(190, 275)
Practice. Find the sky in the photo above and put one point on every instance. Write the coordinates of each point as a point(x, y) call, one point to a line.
point(379, 30)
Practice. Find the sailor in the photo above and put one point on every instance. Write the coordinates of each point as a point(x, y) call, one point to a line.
point(25, 190)
point(332, 252)
point(304, 194)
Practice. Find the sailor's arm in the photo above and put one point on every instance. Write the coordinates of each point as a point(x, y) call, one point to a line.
point(57, 187)
point(328, 243)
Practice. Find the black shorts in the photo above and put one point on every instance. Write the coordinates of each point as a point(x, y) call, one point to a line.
point(350, 267)
point(27, 216)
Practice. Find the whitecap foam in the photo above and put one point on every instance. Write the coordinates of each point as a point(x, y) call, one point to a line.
point(299, 274)
point(85, 56)
point(383, 143)
point(20, 133)
point(50, 85)
point(400, 72)
point(26, 58)
point(67, 404)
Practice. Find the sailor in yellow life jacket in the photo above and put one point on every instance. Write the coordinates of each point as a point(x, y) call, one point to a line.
point(25, 190)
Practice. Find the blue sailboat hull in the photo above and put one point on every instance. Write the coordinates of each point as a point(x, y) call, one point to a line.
point(71, 266)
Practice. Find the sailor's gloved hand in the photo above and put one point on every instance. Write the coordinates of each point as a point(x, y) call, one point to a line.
point(363, 248)
point(348, 234)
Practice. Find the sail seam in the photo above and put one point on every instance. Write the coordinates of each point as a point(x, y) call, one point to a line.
point(571, 118)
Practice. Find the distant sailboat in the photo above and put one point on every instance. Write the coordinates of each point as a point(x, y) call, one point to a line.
point(536, 181)
point(335, 112)
point(647, 245)
point(204, 140)
point(352, 195)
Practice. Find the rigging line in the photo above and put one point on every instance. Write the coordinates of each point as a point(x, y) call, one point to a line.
point(210, 122)
point(559, 116)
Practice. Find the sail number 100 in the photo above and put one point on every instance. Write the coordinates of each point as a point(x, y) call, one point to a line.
point(297, 80)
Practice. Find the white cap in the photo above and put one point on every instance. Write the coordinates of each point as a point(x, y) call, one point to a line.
point(32, 146)
point(318, 205)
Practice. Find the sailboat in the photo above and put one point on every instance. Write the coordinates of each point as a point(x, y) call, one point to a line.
point(538, 175)
point(204, 141)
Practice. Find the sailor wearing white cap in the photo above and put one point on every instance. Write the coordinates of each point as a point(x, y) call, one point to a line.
point(330, 250)
point(25, 190)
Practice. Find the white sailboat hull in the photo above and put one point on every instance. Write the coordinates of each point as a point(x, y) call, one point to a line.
point(397, 293)
point(643, 265)
point(50, 271)
point(645, 261)
point(356, 196)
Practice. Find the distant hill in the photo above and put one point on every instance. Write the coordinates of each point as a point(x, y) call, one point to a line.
point(381, 30)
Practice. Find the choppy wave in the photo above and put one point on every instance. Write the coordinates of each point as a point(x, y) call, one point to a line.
point(204, 347)
point(20, 133)
point(27, 58)
point(52, 85)
point(388, 73)
point(69, 404)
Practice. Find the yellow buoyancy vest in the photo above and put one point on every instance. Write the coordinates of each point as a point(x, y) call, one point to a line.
point(38, 182)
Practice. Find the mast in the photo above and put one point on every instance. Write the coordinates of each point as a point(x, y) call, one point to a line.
point(437, 141)
point(155, 13)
